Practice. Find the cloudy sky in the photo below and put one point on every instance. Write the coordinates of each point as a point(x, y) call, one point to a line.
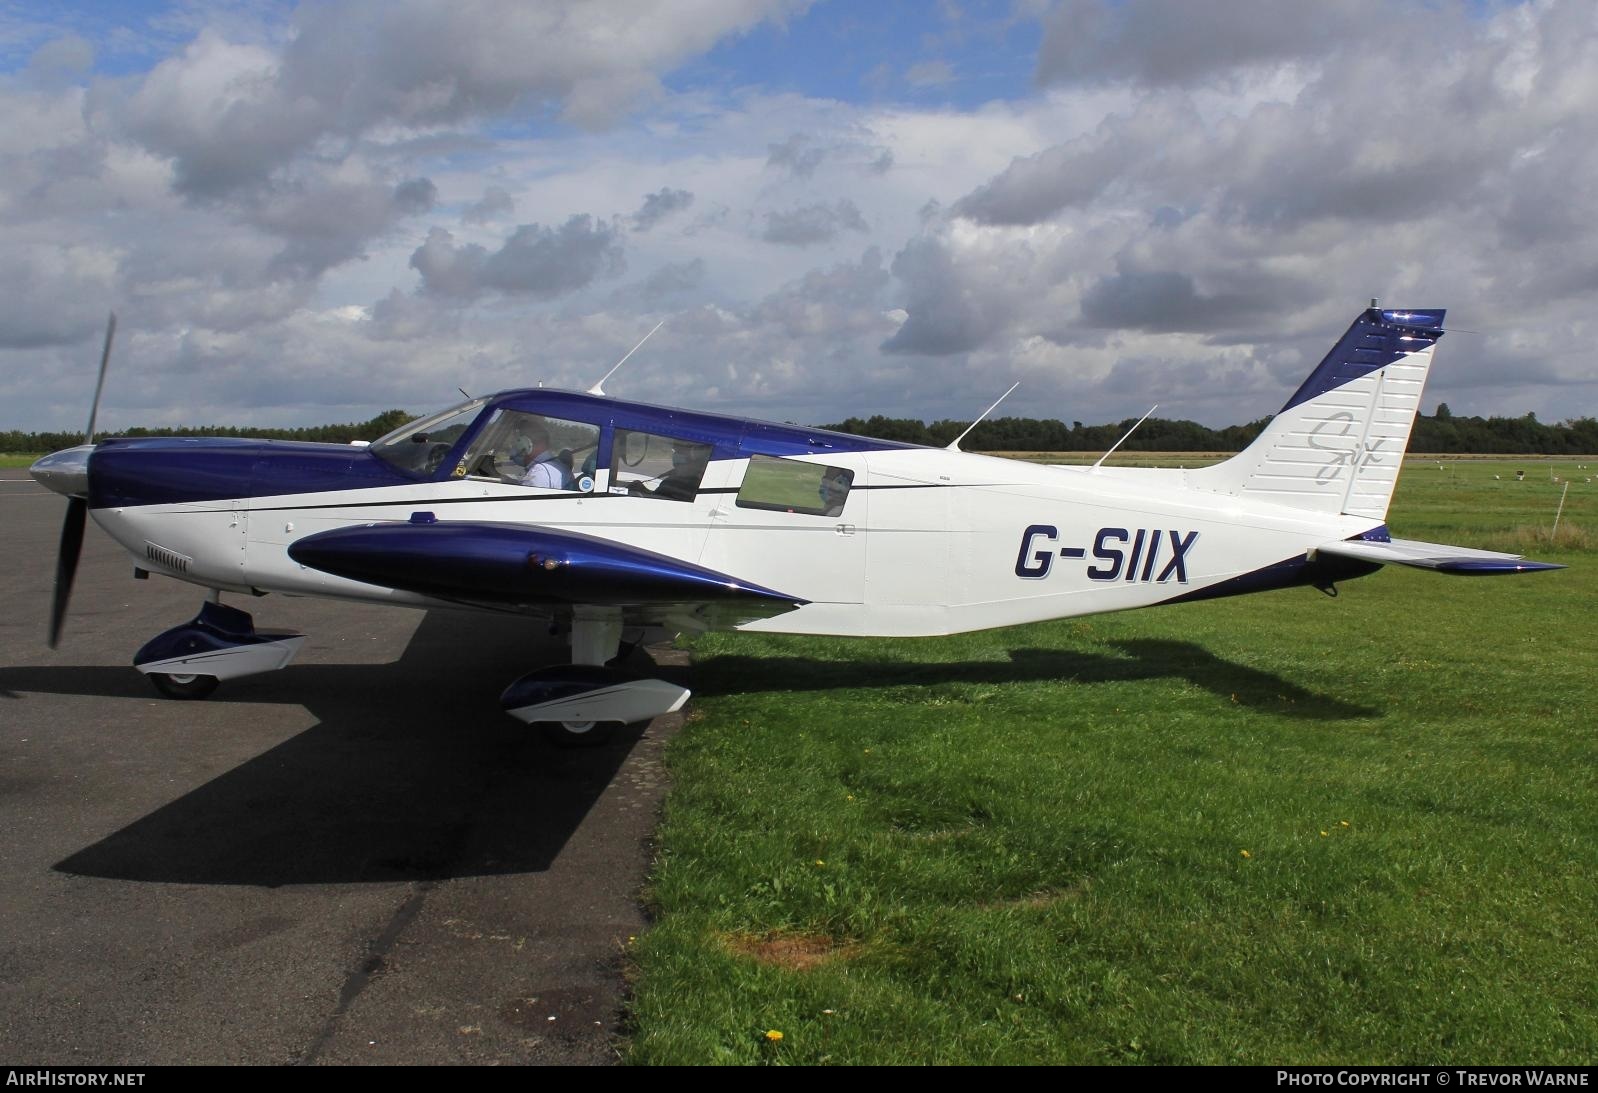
point(312, 213)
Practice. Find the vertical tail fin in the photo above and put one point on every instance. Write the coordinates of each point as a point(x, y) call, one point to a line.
point(1337, 446)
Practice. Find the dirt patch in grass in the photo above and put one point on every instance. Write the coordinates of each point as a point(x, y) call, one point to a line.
point(794, 952)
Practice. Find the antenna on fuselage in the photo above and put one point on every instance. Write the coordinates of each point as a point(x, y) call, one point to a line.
point(464, 395)
point(1118, 443)
point(599, 388)
point(954, 445)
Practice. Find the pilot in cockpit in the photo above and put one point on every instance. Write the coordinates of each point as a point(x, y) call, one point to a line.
point(681, 482)
point(544, 467)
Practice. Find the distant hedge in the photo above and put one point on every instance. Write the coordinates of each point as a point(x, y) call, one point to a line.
point(1441, 433)
point(386, 422)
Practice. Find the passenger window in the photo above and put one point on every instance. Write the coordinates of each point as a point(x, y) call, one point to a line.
point(533, 450)
point(788, 485)
point(653, 465)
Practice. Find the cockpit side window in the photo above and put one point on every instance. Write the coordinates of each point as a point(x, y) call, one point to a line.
point(791, 485)
point(656, 465)
point(533, 450)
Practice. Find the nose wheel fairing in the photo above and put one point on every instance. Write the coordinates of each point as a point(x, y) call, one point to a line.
point(221, 642)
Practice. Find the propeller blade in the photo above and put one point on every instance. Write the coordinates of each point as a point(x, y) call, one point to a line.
point(66, 563)
point(99, 385)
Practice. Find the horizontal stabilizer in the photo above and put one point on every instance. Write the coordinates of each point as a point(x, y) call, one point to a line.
point(1445, 559)
point(516, 565)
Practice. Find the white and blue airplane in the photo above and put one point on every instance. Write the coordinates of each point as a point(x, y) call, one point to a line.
point(603, 517)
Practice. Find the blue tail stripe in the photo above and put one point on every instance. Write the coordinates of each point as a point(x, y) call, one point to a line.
point(1376, 339)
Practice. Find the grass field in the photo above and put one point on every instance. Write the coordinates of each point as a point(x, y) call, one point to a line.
point(1278, 828)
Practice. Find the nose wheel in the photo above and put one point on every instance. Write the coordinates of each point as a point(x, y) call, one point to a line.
point(221, 642)
point(578, 734)
point(183, 686)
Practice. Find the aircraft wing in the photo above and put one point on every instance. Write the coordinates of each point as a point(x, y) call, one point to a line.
point(514, 565)
point(1445, 559)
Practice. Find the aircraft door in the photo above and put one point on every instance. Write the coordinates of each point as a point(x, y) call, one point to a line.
point(911, 566)
point(672, 484)
point(794, 524)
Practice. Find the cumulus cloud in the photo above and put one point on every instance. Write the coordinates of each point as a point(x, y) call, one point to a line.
point(1162, 301)
point(1243, 218)
point(219, 111)
point(1157, 140)
point(228, 114)
point(958, 294)
point(808, 224)
point(534, 261)
point(53, 295)
point(494, 204)
point(60, 60)
point(929, 74)
point(658, 206)
point(1172, 42)
point(801, 155)
point(673, 279)
point(798, 155)
point(829, 302)
point(327, 198)
point(325, 221)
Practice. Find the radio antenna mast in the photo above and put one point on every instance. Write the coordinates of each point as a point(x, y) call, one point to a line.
point(599, 388)
point(954, 445)
point(1118, 443)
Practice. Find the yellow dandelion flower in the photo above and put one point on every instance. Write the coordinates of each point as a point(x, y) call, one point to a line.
point(1246, 854)
point(1324, 834)
point(1342, 823)
point(773, 1036)
point(819, 862)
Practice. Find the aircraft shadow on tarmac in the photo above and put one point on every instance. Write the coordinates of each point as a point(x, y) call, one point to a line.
point(412, 772)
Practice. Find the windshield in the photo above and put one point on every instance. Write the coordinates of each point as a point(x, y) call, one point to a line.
point(421, 446)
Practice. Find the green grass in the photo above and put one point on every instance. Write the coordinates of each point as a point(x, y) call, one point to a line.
point(1027, 845)
point(17, 459)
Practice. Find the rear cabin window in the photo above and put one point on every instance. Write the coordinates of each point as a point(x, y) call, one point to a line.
point(788, 485)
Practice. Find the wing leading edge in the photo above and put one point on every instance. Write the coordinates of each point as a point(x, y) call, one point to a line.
point(1463, 561)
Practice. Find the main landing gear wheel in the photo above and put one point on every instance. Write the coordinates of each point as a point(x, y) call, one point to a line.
point(578, 734)
point(179, 686)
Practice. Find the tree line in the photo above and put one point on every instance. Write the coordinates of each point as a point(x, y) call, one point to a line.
point(386, 422)
point(1439, 433)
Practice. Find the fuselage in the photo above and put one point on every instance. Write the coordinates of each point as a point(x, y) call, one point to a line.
point(874, 538)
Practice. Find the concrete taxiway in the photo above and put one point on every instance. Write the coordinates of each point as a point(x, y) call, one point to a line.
point(357, 859)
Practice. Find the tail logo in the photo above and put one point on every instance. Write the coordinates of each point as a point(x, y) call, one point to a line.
point(1354, 458)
